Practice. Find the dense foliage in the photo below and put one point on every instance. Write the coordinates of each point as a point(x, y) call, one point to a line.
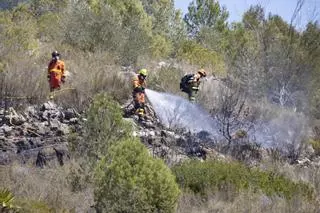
point(128, 179)
point(211, 176)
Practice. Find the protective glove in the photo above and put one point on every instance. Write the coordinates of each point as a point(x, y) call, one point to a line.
point(48, 76)
point(195, 88)
point(63, 79)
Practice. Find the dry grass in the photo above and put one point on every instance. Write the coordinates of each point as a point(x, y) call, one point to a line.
point(227, 199)
point(308, 174)
point(228, 202)
point(50, 185)
point(26, 82)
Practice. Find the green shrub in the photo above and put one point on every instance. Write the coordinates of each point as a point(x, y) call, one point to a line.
point(104, 127)
point(198, 55)
point(105, 124)
point(165, 79)
point(128, 179)
point(18, 30)
point(160, 47)
point(214, 176)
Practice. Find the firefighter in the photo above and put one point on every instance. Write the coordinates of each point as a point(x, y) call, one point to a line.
point(139, 84)
point(56, 74)
point(190, 83)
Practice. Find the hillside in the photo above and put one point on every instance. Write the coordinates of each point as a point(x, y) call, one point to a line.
point(249, 143)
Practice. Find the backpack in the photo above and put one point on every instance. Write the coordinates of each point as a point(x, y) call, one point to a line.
point(184, 82)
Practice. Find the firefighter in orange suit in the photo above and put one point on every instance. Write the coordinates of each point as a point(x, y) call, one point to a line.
point(56, 74)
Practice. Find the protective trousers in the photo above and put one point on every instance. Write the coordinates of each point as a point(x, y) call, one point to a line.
point(193, 90)
point(55, 80)
point(139, 102)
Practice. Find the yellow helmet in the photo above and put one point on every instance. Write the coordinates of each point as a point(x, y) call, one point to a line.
point(143, 72)
point(202, 72)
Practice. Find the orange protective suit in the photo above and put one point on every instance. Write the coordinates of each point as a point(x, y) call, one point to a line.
point(56, 74)
point(138, 95)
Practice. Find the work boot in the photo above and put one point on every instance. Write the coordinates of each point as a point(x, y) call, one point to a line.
point(140, 113)
point(192, 99)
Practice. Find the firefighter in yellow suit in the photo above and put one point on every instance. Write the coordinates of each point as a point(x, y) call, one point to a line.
point(139, 84)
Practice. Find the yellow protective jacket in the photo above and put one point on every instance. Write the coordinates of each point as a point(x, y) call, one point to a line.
point(57, 67)
point(138, 83)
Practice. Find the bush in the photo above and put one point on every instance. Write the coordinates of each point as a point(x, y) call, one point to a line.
point(160, 47)
point(165, 79)
point(195, 54)
point(128, 179)
point(211, 175)
point(104, 127)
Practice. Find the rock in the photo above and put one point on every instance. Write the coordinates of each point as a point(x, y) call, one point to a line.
point(7, 130)
point(74, 121)
point(152, 133)
point(7, 145)
point(69, 114)
point(304, 162)
point(142, 134)
point(51, 114)
point(13, 118)
point(22, 145)
point(44, 155)
point(148, 124)
point(54, 124)
point(43, 128)
point(59, 152)
point(63, 129)
point(62, 153)
point(166, 133)
point(36, 142)
point(36, 136)
point(31, 112)
point(5, 158)
point(18, 120)
point(134, 134)
point(48, 106)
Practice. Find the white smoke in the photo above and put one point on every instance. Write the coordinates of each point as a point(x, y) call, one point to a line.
point(288, 128)
point(177, 112)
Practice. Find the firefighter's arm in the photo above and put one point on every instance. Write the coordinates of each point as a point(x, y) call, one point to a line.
point(62, 68)
point(136, 86)
point(139, 89)
point(192, 80)
point(135, 82)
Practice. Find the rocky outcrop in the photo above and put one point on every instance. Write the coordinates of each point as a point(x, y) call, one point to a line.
point(37, 135)
point(172, 145)
point(176, 145)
